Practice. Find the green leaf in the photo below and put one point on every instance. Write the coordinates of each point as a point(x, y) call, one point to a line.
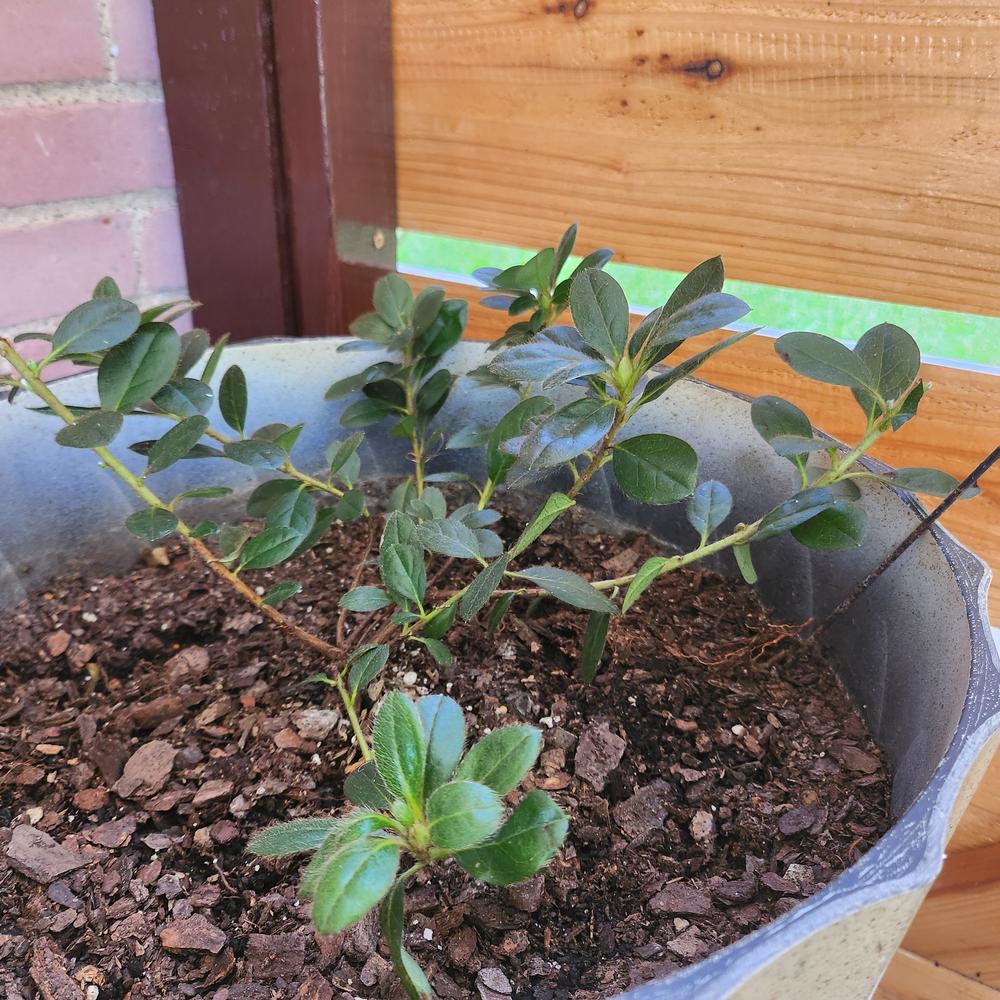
point(152, 524)
point(744, 562)
point(232, 538)
point(233, 398)
point(107, 288)
point(270, 547)
point(644, 578)
point(523, 845)
point(365, 599)
point(841, 526)
point(656, 468)
point(532, 274)
point(482, 587)
point(432, 394)
point(353, 881)
point(500, 607)
point(656, 387)
point(295, 509)
point(365, 412)
point(400, 529)
point(281, 592)
point(554, 505)
point(426, 307)
point(568, 587)
point(908, 408)
point(461, 814)
point(372, 329)
point(205, 492)
point(204, 528)
point(437, 626)
point(511, 425)
point(264, 497)
point(338, 452)
point(95, 326)
point(94, 430)
point(710, 312)
point(175, 444)
point(824, 360)
point(446, 331)
point(793, 447)
point(259, 454)
point(933, 482)
point(293, 837)
point(594, 640)
point(444, 734)
point(437, 649)
point(575, 428)
point(600, 312)
point(796, 510)
point(709, 507)
point(357, 824)
point(546, 362)
point(403, 571)
point(194, 344)
point(365, 666)
point(365, 787)
point(708, 277)
point(449, 538)
point(400, 750)
point(775, 417)
point(393, 300)
point(393, 924)
point(186, 397)
point(324, 518)
point(213, 359)
point(893, 358)
point(136, 370)
point(501, 759)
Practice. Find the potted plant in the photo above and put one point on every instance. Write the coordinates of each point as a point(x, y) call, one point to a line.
point(578, 414)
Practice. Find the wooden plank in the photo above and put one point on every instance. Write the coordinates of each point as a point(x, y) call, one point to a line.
point(980, 824)
point(958, 425)
point(835, 145)
point(214, 61)
point(959, 922)
point(910, 977)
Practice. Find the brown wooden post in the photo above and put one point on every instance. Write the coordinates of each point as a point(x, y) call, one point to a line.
point(281, 121)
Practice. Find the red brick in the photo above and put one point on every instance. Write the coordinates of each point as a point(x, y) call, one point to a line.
point(134, 34)
point(42, 40)
point(163, 251)
point(47, 270)
point(80, 151)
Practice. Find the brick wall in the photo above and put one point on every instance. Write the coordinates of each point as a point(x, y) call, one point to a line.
point(86, 180)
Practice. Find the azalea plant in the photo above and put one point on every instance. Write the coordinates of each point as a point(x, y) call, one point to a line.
point(574, 389)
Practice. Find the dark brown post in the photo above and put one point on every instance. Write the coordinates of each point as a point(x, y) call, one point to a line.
point(281, 121)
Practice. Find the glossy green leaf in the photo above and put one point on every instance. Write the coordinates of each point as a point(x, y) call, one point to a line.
point(657, 386)
point(185, 397)
point(136, 370)
point(338, 452)
point(501, 759)
point(175, 444)
point(444, 734)
point(365, 599)
point(656, 468)
point(437, 626)
point(270, 547)
point(461, 814)
point(281, 592)
point(908, 408)
point(95, 326)
point(232, 538)
point(393, 300)
point(393, 925)
point(350, 506)
point(709, 312)
point(208, 372)
point(353, 882)
point(841, 526)
point(647, 573)
point(259, 454)
point(233, 398)
point(437, 649)
point(400, 749)
point(893, 358)
point(524, 844)
point(554, 505)
point(325, 516)
point(773, 416)
point(93, 430)
point(194, 345)
point(152, 524)
point(106, 288)
point(546, 363)
point(426, 307)
point(365, 787)
point(594, 640)
point(293, 837)
point(794, 447)
point(266, 495)
point(600, 312)
point(355, 826)
point(372, 328)
point(571, 430)
point(403, 571)
point(568, 587)
point(205, 493)
point(511, 425)
point(796, 510)
point(296, 509)
point(933, 482)
point(825, 360)
point(365, 666)
point(708, 507)
point(449, 538)
point(204, 528)
point(366, 412)
point(709, 276)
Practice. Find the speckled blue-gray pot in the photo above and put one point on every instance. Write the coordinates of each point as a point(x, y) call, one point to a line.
point(915, 652)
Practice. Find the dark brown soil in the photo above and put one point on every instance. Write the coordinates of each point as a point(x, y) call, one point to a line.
point(715, 776)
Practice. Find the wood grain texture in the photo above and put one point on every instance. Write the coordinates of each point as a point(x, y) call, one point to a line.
point(958, 424)
point(835, 145)
point(980, 824)
point(910, 977)
point(959, 922)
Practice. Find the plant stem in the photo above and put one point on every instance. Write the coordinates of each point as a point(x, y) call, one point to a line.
point(136, 484)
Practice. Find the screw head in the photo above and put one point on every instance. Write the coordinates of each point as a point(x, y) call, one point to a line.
point(378, 239)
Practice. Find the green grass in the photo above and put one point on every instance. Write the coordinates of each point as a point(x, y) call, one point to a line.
point(956, 336)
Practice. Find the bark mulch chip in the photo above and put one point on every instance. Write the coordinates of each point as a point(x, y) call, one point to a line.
point(715, 775)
